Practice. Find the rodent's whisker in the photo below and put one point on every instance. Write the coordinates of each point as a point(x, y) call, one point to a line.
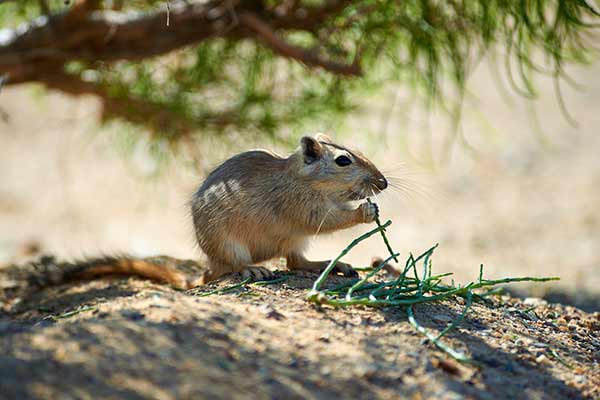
point(408, 187)
point(410, 194)
point(407, 200)
point(322, 222)
point(407, 190)
point(403, 173)
point(374, 190)
point(412, 186)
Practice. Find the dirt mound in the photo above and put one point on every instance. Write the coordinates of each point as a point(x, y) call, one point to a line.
point(138, 339)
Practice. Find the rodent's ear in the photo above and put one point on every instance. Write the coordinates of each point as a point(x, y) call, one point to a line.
point(322, 137)
point(312, 150)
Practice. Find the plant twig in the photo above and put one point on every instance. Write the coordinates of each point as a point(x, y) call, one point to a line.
point(385, 239)
point(72, 312)
point(457, 355)
point(332, 263)
point(405, 291)
point(272, 281)
point(360, 283)
point(560, 359)
point(458, 320)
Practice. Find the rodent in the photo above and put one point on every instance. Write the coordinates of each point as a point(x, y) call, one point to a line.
point(256, 206)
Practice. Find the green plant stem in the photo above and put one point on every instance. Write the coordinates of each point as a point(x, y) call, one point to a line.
point(315, 289)
point(402, 277)
point(360, 283)
point(410, 263)
point(385, 239)
point(407, 291)
point(272, 281)
point(380, 287)
point(72, 312)
point(458, 320)
point(322, 298)
point(423, 280)
point(457, 355)
point(337, 289)
point(489, 282)
point(381, 303)
point(560, 359)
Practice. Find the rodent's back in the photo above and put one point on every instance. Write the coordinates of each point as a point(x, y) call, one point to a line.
point(249, 195)
point(240, 182)
point(249, 168)
point(261, 204)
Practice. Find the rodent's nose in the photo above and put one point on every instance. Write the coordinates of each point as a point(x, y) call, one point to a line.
point(382, 183)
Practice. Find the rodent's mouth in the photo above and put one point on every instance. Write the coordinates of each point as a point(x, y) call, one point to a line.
point(370, 188)
point(352, 195)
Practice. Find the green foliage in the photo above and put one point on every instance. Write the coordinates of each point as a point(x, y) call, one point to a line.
point(227, 84)
point(405, 291)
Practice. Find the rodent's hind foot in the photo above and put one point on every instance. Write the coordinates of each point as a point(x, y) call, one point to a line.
point(297, 262)
point(344, 269)
point(256, 273)
point(389, 268)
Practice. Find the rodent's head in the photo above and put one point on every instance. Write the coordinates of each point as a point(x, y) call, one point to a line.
point(340, 173)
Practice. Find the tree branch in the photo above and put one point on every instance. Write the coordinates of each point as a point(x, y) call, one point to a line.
point(266, 35)
point(107, 36)
point(85, 33)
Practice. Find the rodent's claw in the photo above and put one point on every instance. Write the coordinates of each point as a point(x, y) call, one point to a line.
point(370, 211)
point(258, 274)
point(345, 269)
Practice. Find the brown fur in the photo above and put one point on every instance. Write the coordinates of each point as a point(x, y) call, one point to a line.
point(257, 205)
point(181, 274)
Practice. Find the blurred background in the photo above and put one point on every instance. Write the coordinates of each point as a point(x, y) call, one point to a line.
point(514, 186)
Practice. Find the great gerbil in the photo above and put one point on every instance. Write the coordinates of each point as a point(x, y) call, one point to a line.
point(254, 207)
point(257, 205)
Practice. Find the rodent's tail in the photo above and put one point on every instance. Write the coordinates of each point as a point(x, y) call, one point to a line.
point(181, 274)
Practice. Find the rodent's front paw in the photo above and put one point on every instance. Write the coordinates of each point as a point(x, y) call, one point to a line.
point(370, 211)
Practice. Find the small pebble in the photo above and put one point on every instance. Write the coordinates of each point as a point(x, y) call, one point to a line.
point(541, 359)
point(534, 301)
point(324, 338)
point(132, 315)
point(365, 370)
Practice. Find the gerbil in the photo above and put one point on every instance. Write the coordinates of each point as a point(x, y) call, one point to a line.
point(253, 207)
point(257, 205)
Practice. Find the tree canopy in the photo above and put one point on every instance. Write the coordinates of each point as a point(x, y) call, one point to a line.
point(181, 68)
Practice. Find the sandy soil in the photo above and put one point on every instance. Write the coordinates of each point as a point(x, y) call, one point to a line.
point(136, 339)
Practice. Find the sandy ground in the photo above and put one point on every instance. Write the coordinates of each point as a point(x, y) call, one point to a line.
point(136, 339)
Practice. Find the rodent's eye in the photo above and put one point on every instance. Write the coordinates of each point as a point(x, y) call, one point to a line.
point(342, 161)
